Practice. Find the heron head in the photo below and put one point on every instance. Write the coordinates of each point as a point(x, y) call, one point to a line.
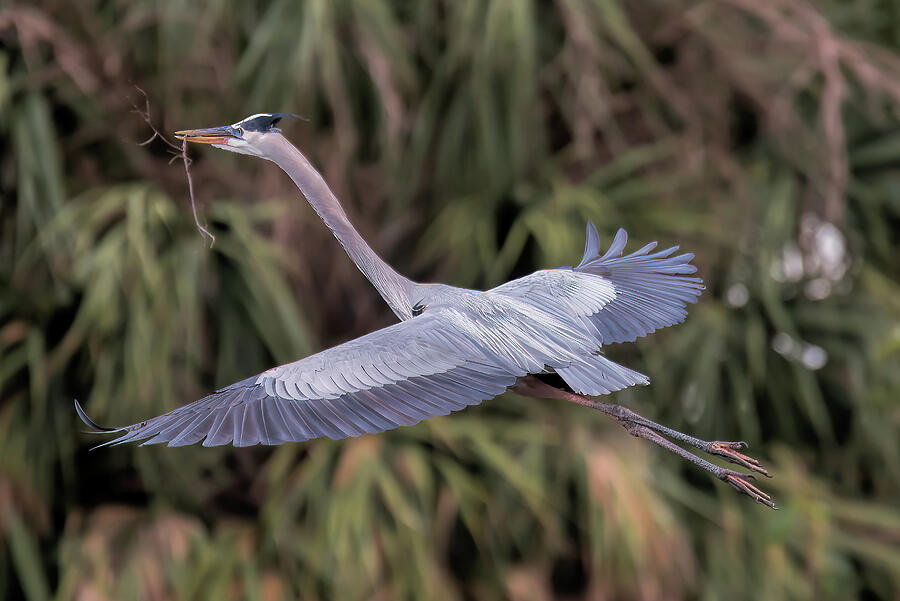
point(243, 136)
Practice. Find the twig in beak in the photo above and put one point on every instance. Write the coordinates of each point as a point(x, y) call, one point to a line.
point(187, 172)
point(145, 115)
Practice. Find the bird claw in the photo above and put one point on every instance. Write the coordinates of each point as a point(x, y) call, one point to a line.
point(740, 483)
point(729, 452)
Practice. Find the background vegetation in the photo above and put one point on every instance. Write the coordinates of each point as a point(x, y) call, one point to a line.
point(470, 140)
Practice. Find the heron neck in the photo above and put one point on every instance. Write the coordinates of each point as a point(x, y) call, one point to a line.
point(393, 287)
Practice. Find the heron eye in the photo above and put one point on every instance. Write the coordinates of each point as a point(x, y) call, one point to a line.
point(240, 131)
point(418, 308)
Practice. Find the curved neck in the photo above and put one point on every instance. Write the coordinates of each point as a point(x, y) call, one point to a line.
point(393, 287)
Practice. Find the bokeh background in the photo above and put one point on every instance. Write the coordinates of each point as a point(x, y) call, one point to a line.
point(470, 141)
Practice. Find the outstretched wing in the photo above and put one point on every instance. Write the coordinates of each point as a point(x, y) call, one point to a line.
point(396, 376)
point(616, 298)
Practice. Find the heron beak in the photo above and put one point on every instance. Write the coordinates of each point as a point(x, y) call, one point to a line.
point(210, 135)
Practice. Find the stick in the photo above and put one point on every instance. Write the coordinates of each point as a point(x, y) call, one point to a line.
point(187, 172)
point(177, 153)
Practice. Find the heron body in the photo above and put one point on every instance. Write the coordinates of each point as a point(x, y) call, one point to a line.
point(453, 347)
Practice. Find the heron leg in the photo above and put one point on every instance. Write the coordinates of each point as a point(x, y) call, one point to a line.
point(642, 427)
point(729, 451)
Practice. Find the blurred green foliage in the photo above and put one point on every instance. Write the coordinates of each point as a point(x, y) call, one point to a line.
point(470, 140)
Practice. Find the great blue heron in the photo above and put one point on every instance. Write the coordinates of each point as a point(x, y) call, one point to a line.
point(453, 347)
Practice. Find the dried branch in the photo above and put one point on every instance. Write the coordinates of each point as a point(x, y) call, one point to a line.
point(187, 172)
point(178, 152)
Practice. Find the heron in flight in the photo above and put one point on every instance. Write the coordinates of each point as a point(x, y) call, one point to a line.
point(539, 336)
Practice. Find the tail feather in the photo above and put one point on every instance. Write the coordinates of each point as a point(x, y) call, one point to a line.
point(598, 375)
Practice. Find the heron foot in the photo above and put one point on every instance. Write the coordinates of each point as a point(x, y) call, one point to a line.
point(740, 482)
point(737, 480)
point(729, 452)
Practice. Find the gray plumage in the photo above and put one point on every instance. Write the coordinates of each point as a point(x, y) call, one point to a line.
point(463, 347)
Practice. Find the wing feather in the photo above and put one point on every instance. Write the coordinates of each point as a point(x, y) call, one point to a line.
point(397, 376)
point(614, 297)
